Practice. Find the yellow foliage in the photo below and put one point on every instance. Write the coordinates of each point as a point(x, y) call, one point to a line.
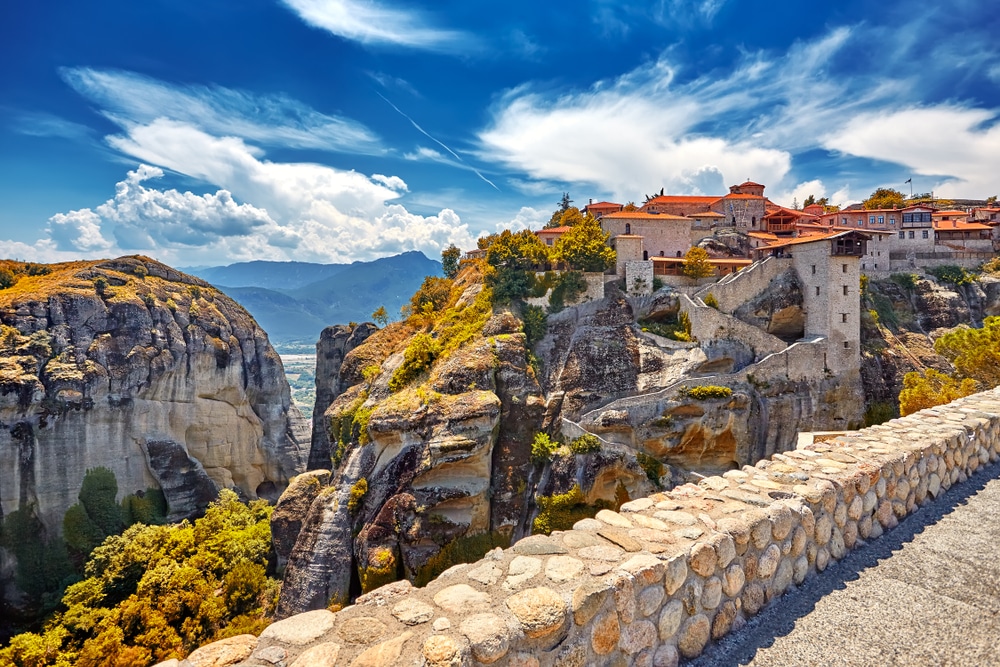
point(925, 390)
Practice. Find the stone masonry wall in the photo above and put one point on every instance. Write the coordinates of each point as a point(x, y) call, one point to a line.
point(653, 583)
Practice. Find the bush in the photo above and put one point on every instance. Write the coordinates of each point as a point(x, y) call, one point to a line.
point(7, 278)
point(543, 447)
point(930, 388)
point(907, 281)
point(707, 392)
point(585, 444)
point(465, 549)
point(991, 267)
point(711, 301)
point(101, 285)
point(417, 358)
point(172, 305)
point(358, 492)
point(433, 295)
point(535, 324)
point(560, 511)
point(568, 288)
point(657, 283)
point(149, 300)
point(140, 271)
point(195, 291)
point(651, 466)
point(953, 274)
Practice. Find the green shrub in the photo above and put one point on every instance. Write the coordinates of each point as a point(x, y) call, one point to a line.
point(707, 392)
point(382, 569)
point(172, 305)
point(651, 466)
point(7, 278)
point(568, 288)
point(535, 324)
point(543, 447)
point(101, 285)
point(560, 511)
point(195, 291)
point(663, 421)
point(149, 299)
point(585, 444)
point(33, 269)
point(417, 358)
point(358, 492)
point(711, 301)
point(956, 275)
point(465, 549)
point(907, 281)
point(657, 283)
point(140, 271)
point(879, 412)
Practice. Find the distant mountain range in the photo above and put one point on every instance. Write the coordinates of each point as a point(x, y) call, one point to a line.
point(294, 301)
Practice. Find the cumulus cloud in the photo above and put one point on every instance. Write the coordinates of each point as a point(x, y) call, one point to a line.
point(300, 211)
point(130, 98)
point(377, 23)
point(526, 218)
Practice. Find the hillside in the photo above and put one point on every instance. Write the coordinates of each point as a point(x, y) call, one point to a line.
point(294, 301)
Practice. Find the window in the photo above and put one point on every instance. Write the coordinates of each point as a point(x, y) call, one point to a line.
point(907, 217)
point(876, 265)
point(814, 269)
point(661, 253)
point(861, 222)
point(881, 220)
point(923, 234)
point(892, 220)
point(911, 234)
point(844, 268)
point(902, 235)
point(628, 228)
point(847, 345)
point(843, 221)
point(843, 317)
point(871, 219)
point(817, 290)
point(845, 290)
point(645, 255)
point(753, 221)
point(548, 241)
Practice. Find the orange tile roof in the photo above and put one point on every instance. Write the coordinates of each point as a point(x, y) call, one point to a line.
point(602, 204)
point(958, 225)
point(706, 214)
point(681, 199)
point(759, 185)
point(951, 212)
point(554, 230)
point(642, 215)
point(767, 236)
point(806, 239)
point(711, 260)
point(740, 196)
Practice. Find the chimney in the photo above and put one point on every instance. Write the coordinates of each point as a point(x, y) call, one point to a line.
point(591, 200)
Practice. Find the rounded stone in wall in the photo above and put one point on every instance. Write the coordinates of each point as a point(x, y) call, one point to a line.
point(694, 636)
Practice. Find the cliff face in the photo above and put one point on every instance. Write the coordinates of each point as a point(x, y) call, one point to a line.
point(908, 315)
point(153, 374)
point(440, 469)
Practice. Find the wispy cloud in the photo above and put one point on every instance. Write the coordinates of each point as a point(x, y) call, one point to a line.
point(437, 157)
point(659, 126)
point(42, 124)
point(376, 23)
point(127, 97)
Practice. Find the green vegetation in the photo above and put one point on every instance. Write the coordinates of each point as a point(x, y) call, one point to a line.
point(884, 198)
point(907, 281)
point(358, 492)
point(7, 278)
point(417, 358)
point(991, 267)
point(561, 511)
point(956, 275)
point(543, 448)
point(652, 466)
point(158, 592)
point(678, 328)
point(510, 258)
point(696, 264)
point(101, 285)
point(706, 392)
point(568, 287)
point(711, 301)
point(879, 412)
point(534, 323)
point(380, 317)
point(465, 549)
point(585, 247)
point(449, 260)
point(585, 444)
point(383, 568)
point(930, 388)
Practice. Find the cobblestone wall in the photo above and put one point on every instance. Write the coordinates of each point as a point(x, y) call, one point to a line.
point(655, 582)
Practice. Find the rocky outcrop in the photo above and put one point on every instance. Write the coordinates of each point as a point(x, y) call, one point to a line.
point(334, 344)
point(777, 310)
point(153, 374)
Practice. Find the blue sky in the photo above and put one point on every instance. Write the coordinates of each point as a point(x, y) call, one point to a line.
point(335, 130)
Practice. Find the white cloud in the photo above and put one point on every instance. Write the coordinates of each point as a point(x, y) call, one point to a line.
point(372, 22)
point(526, 218)
point(799, 193)
point(130, 98)
point(299, 211)
point(961, 143)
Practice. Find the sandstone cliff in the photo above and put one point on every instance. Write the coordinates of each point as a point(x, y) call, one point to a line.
point(153, 374)
point(438, 469)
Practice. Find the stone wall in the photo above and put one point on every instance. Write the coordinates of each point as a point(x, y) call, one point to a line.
point(735, 289)
point(594, 291)
point(656, 581)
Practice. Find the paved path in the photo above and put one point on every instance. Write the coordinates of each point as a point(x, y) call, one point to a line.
point(926, 593)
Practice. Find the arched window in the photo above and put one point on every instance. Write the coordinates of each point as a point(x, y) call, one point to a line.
point(678, 253)
point(753, 221)
point(628, 228)
point(645, 255)
point(661, 253)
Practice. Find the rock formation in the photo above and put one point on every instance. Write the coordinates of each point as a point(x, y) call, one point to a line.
point(133, 366)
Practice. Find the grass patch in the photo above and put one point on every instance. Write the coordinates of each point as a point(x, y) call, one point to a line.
point(561, 511)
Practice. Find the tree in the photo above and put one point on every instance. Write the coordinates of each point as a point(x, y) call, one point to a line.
point(510, 257)
point(565, 218)
point(809, 201)
point(696, 264)
point(884, 198)
point(630, 207)
point(380, 316)
point(449, 260)
point(585, 247)
point(975, 352)
point(930, 388)
point(433, 295)
point(565, 202)
point(795, 203)
point(991, 200)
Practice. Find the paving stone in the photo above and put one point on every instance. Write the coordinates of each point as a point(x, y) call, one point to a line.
point(488, 635)
point(412, 612)
point(604, 552)
point(621, 538)
point(521, 570)
point(441, 651)
point(321, 655)
point(300, 629)
point(540, 611)
point(613, 519)
point(637, 636)
point(563, 568)
point(703, 559)
point(224, 652)
point(694, 636)
point(578, 539)
point(461, 598)
point(487, 574)
point(538, 545)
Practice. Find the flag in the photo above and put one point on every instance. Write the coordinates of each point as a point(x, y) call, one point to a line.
point(909, 180)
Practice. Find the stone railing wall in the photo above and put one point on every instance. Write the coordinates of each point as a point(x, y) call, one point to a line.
point(658, 580)
point(736, 289)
